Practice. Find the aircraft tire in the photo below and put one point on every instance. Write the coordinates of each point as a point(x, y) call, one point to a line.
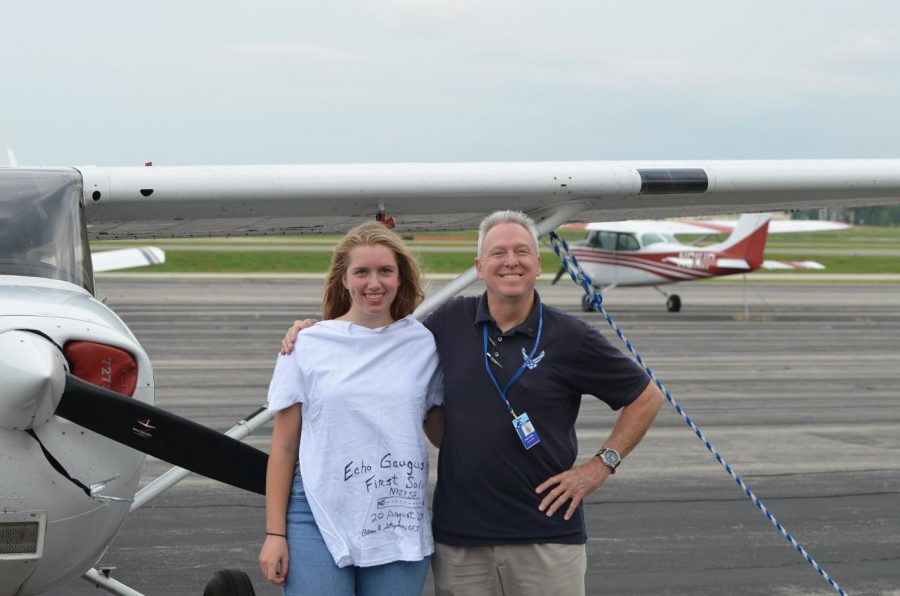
point(229, 582)
point(673, 304)
point(586, 304)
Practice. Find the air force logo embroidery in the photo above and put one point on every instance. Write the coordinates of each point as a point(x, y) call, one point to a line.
point(532, 363)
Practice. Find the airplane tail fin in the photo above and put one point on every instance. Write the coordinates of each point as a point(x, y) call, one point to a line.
point(748, 240)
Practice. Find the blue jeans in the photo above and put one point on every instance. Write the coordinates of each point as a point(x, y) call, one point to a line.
point(312, 572)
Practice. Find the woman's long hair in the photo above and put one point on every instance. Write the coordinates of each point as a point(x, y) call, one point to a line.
point(409, 294)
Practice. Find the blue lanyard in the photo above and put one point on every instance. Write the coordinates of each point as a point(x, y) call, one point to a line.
point(515, 377)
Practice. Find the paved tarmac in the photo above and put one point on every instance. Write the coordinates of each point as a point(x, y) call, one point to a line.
point(801, 399)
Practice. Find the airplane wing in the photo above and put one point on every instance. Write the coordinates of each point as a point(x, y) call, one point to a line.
point(635, 226)
point(184, 201)
point(661, 226)
point(707, 226)
point(126, 258)
point(776, 226)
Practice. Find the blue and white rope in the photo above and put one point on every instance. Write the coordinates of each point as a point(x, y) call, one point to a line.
point(570, 262)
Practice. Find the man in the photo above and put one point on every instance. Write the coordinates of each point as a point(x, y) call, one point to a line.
point(507, 515)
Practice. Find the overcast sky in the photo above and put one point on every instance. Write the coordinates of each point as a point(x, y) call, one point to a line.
point(186, 82)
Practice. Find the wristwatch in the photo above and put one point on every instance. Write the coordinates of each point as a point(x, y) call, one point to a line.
point(610, 459)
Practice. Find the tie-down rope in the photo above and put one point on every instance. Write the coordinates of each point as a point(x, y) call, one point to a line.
point(570, 262)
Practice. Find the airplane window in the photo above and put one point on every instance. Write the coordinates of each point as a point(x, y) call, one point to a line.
point(41, 227)
point(628, 242)
point(608, 240)
point(651, 238)
point(593, 239)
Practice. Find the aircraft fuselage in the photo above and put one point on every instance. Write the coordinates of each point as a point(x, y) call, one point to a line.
point(651, 268)
point(58, 531)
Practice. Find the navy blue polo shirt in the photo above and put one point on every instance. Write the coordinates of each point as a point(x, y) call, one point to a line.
point(486, 478)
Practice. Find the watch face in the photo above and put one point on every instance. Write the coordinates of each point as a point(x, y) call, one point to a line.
point(611, 458)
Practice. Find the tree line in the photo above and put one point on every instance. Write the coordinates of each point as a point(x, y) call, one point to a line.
point(884, 215)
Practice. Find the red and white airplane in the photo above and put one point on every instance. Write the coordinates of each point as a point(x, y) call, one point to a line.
point(77, 399)
point(646, 252)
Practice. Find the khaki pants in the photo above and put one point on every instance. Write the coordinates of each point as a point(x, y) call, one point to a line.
point(509, 570)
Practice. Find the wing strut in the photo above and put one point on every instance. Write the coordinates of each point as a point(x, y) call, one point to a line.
point(102, 580)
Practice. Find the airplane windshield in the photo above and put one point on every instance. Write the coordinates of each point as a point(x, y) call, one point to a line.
point(41, 231)
point(652, 238)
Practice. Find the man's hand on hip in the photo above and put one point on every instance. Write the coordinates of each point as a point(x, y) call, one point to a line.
point(572, 485)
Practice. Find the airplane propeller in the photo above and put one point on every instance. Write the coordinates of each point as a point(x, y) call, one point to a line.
point(164, 435)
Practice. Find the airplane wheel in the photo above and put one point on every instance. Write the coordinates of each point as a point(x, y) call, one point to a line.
point(586, 305)
point(673, 304)
point(229, 582)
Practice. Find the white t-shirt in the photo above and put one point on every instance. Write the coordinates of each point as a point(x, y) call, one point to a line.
point(364, 394)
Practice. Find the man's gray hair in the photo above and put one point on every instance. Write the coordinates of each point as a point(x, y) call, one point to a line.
point(502, 217)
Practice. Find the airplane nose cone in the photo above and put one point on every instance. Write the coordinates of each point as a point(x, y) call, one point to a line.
point(33, 373)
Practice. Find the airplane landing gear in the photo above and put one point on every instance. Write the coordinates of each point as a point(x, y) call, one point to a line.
point(673, 303)
point(229, 582)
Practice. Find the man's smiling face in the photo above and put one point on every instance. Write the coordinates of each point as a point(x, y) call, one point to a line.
point(509, 264)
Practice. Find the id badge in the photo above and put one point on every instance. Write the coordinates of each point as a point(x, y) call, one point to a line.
point(525, 429)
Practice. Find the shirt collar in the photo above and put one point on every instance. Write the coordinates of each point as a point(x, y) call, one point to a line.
point(351, 327)
point(528, 326)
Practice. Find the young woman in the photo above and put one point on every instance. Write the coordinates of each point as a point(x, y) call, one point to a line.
point(351, 517)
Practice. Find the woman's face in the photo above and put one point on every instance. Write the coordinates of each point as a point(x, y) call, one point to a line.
point(372, 280)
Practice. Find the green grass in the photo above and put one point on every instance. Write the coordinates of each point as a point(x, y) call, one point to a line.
point(239, 261)
point(442, 262)
point(855, 237)
point(840, 263)
point(197, 261)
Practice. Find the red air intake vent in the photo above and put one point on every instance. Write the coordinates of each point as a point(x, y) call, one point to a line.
point(104, 366)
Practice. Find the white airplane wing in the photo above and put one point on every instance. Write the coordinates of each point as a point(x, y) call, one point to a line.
point(126, 258)
point(633, 226)
point(713, 226)
point(679, 226)
point(663, 226)
point(182, 201)
point(776, 226)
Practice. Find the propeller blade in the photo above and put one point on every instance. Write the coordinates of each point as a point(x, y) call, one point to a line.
point(164, 435)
